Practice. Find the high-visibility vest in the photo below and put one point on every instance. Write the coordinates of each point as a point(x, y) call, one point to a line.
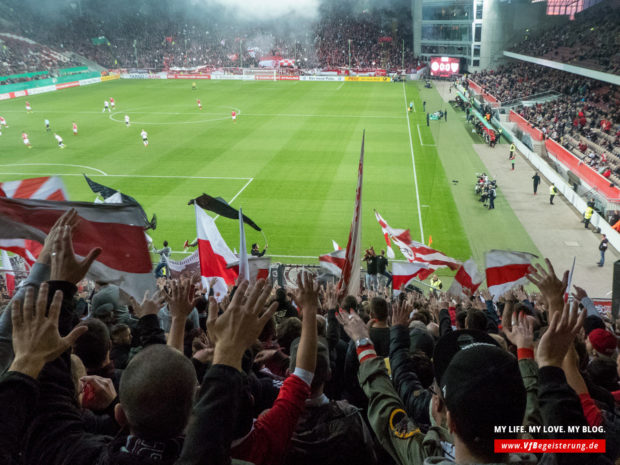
point(552, 190)
point(436, 284)
point(589, 213)
point(512, 147)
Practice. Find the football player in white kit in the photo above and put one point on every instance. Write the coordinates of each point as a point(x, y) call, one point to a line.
point(127, 120)
point(59, 139)
point(145, 138)
point(106, 106)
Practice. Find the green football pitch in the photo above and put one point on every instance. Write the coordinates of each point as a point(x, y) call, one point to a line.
point(290, 160)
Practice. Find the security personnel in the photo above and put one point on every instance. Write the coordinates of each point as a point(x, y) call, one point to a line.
point(588, 216)
point(436, 283)
point(553, 191)
point(512, 151)
point(499, 134)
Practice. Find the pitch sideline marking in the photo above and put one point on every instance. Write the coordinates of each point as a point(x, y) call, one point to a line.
point(415, 176)
point(420, 135)
point(103, 173)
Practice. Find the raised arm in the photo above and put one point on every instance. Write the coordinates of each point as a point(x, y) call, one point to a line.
point(180, 300)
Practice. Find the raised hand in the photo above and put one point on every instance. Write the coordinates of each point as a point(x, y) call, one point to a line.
point(521, 333)
point(307, 293)
point(180, 298)
point(330, 297)
point(149, 305)
point(68, 218)
point(564, 326)
point(36, 340)
point(352, 324)
point(98, 392)
point(579, 293)
point(400, 314)
point(240, 325)
point(549, 284)
point(65, 265)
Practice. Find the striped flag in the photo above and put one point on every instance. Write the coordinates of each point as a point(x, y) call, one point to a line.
point(350, 278)
point(215, 256)
point(45, 188)
point(506, 269)
point(403, 273)
point(417, 252)
point(467, 277)
point(333, 262)
point(386, 235)
point(117, 229)
point(9, 276)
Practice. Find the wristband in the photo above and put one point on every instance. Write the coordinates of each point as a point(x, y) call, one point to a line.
point(366, 352)
point(525, 353)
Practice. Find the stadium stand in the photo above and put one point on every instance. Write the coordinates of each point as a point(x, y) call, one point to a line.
point(590, 41)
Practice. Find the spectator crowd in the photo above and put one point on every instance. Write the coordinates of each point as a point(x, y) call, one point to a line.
point(591, 40)
point(317, 377)
point(582, 114)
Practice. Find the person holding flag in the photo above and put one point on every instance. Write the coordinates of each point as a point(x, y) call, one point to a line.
point(382, 264)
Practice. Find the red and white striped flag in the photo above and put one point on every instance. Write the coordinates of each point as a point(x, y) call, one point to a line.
point(467, 277)
point(403, 273)
point(215, 256)
point(386, 235)
point(416, 252)
point(117, 229)
point(9, 276)
point(46, 188)
point(258, 268)
point(506, 269)
point(333, 262)
point(350, 278)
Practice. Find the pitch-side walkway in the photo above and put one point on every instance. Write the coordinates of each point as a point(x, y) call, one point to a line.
point(556, 229)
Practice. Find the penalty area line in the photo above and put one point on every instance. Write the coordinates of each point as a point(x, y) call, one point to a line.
point(132, 176)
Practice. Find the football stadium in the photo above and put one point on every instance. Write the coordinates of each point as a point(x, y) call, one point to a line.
point(394, 226)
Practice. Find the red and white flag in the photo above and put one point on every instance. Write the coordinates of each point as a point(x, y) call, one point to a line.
point(125, 258)
point(46, 188)
point(506, 269)
point(403, 273)
point(350, 278)
point(215, 256)
point(416, 252)
point(258, 268)
point(9, 276)
point(386, 235)
point(333, 262)
point(335, 245)
point(467, 277)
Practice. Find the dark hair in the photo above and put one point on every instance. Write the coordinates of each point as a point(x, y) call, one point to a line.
point(349, 303)
point(165, 243)
point(423, 367)
point(460, 319)
point(604, 373)
point(288, 330)
point(157, 391)
point(117, 330)
point(379, 308)
point(201, 304)
point(269, 330)
point(93, 346)
point(281, 294)
point(422, 315)
point(476, 319)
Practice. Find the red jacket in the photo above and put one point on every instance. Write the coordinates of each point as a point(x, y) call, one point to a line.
point(268, 442)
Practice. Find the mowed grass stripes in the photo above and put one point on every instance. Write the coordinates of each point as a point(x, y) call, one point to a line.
point(296, 143)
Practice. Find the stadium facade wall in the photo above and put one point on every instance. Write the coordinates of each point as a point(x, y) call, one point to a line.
point(566, 190)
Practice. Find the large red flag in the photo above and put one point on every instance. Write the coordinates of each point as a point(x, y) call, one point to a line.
point(45, 188)
point(215, 256)
point(333, 262)
point(350, 278)
point(506, 269)
point(125, 258)
point(467, 277)
point(403, 273)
